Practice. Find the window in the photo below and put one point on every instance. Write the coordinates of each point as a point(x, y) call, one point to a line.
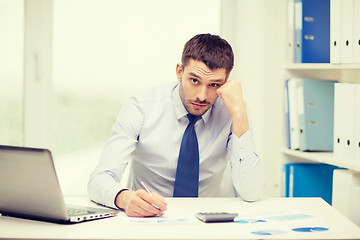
point(11, 71)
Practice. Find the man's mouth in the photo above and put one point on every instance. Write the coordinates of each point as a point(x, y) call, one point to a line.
point(198, 106)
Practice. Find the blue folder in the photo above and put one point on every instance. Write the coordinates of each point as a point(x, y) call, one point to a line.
point(315, 114)
point(312, 31)
point(309, 180)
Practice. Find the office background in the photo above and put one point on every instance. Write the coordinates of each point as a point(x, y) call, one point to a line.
point(66, 66)
point(87, 57)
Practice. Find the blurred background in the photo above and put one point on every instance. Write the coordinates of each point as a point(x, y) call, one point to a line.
point(66, 67)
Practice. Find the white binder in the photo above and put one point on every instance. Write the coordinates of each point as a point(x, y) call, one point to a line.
point(357, 128)
point(335, 13)
point(346, 31)
point(346, 194)
point(293, 115)
point(356, 32)
point(344, 122)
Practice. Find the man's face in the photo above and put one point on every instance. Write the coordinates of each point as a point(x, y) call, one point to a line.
point(198, 85)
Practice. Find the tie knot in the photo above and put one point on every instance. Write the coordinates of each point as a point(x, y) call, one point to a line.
point(193, 119)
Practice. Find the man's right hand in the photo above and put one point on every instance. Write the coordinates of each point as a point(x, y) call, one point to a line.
point(140, 204)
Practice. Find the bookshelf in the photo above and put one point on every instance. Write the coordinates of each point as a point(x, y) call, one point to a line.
point(342, 72)
point(344, 188)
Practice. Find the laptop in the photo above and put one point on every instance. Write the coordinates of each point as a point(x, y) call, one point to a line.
point(29, 188)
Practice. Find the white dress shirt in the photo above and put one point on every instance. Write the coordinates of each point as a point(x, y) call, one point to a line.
point(147, 135)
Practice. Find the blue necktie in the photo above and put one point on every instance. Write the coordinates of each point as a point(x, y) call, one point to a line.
point(187, 172)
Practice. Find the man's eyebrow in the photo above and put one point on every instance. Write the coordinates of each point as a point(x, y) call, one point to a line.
point(194, 75)
point(214, 80)
point(217, 80)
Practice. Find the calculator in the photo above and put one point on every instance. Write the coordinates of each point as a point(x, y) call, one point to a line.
point(216, 216)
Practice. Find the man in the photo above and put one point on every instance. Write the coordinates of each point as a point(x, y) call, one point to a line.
point(201, 118)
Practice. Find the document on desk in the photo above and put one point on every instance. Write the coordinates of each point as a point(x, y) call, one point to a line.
point(285, 223)
point(173, 215)
point(272, 223)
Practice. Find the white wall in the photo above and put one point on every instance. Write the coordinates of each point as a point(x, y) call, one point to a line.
point(122, 47)
point(257, 34)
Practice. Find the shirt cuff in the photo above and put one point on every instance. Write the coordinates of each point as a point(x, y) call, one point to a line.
point(241, 147)
point(112, 194)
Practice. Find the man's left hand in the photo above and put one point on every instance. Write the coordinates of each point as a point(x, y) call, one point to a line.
point(231, 93)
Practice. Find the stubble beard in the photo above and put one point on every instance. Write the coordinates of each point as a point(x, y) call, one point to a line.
point(188, 103)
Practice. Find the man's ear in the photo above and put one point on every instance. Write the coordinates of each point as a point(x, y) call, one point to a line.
point(179, 71)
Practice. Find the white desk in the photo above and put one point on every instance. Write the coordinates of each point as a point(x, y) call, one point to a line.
point(120, 227)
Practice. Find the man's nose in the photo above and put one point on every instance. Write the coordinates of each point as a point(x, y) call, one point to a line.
point(202, 93)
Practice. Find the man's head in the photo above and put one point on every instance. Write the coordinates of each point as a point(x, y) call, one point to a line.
point(212, 50)
point(207, 61)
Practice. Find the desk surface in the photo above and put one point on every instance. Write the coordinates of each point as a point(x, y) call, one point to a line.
point(281, 215)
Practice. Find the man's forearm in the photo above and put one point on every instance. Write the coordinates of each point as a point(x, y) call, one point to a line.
point(240, 123)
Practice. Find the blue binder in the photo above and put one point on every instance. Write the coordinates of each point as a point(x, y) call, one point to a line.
point(312, 31)
point(309, 180)
point(315, 114)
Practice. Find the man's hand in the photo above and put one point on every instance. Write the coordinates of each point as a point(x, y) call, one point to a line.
point(140, 204)
point(231, 94)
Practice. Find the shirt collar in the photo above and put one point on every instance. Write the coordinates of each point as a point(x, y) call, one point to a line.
point(180, 110)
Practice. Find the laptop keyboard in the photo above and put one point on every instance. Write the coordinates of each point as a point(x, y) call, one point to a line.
point(78, 212)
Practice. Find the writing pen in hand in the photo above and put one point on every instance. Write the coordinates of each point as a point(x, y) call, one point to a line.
point(148, 191)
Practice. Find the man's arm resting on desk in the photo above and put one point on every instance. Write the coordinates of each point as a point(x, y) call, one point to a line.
point(105, 182)
point(140, 203)
point(246, 166)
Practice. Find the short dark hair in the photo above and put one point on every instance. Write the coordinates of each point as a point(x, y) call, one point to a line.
point(212, 50)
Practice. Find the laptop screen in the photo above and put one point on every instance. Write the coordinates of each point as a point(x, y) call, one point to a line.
point(28, 183)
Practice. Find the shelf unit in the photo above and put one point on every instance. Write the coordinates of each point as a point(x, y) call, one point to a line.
point(317, 157)
point(321, 66)
point(324, 71)
point(345, 198)
point(321, 71)
point(342, 72)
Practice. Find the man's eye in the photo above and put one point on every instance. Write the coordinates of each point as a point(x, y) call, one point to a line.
point(214, 85)
point(195, 81)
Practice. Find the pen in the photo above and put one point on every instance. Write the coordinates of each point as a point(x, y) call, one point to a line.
point(146, 188)
point(148, 191)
